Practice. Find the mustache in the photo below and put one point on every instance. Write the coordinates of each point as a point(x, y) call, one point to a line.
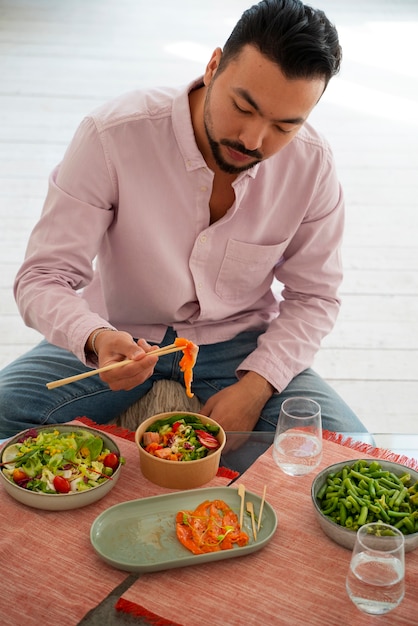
point(239, 147)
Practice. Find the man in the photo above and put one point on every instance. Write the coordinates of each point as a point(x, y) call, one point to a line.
point(193, 202)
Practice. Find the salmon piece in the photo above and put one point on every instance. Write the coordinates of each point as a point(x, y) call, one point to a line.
point(163, 453)
point(148, 438)
point(211, 527)
point(187, 362)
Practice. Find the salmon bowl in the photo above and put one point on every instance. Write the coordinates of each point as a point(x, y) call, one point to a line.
point(179, 449)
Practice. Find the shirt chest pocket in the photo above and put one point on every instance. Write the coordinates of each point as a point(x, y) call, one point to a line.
point(247, 270)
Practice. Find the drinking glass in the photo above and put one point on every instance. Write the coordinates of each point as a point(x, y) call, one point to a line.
point(375, 580)
point(297, 445)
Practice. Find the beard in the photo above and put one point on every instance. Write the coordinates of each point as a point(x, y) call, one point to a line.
point(215, 146)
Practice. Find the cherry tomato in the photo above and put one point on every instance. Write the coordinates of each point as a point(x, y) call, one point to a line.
point(111, 460)
point(19, 475)
point(61, 484)
point(207, 440)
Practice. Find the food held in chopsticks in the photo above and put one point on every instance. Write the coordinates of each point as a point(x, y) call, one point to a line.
point(211, 527)
point(187, 362)
point(180, 438)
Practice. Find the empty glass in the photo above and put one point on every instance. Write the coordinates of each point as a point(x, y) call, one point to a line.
point(297, 446)
point(375, 580)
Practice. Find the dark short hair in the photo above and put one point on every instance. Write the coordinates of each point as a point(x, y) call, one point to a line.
point(299, 39)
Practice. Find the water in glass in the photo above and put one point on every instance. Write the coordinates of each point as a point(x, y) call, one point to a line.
point(375, 584)
point(297, 446)
point(297, 453)
point(375, 579)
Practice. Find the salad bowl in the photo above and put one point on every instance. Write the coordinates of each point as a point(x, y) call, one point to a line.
point(102, 479)
point(196, 444)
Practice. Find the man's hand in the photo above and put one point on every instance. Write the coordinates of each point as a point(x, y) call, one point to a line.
point(112, 347)
point(239, 406)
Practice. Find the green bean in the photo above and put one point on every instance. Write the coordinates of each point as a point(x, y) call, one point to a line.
point(364, 487)
point(382, 513)
point(363, 492)
point(389, 483)
point(349, 485)
point(349, 521)
point(372, 489)
point(331, 494)
point(401, 497)
point(393, 498)
point(332, 505)
point(413, 499)
point(374, 508)
point(379, 474)
point(400, 480)
point(343, 513)
point(322, 491)
point(363, 515)
point(360, 476)
point(354, 503)
point(409, 523)
point(398, 513)
point(357, 498)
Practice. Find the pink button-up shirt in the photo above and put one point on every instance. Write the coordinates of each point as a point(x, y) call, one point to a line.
point(133, 191)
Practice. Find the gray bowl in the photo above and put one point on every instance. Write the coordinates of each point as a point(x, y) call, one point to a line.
point(345, 536)
point(60, 501)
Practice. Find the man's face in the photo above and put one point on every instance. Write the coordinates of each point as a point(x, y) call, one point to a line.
point(252, 110)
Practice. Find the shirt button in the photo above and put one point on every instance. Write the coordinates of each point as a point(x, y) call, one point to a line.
point(203, 239)
point(203, 188)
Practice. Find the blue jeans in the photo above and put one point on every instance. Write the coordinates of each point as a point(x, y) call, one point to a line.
point(25, 400)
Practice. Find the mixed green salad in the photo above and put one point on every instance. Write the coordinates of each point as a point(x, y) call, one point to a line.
point(180, 438)
point(50, 461)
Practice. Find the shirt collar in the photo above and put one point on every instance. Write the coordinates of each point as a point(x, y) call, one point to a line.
point(183, 130)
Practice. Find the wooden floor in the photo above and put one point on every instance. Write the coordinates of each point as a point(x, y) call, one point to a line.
point(59, 59)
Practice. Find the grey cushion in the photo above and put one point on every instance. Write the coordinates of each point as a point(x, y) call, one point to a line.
point(165, 395)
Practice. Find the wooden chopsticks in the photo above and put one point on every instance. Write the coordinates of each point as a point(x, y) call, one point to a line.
point(241, 493)
point(71, 379)
point(260, 514)
point(250, 509)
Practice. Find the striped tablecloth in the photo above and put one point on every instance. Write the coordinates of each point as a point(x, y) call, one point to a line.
point(297, 579)
point(50, 574)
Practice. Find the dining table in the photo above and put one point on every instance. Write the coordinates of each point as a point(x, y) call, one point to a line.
point(52, 575)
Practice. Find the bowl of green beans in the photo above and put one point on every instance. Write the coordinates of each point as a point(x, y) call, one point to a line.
point(349, 494)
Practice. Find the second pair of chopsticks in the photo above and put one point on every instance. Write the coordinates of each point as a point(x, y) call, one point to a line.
point(172, 347)
point(250, 509)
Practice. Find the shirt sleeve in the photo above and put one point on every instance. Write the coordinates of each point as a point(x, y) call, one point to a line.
point(310, 273)
point(59, 259)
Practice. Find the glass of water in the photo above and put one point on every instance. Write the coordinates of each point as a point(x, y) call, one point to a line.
point(375, 580)
point(297, 446)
